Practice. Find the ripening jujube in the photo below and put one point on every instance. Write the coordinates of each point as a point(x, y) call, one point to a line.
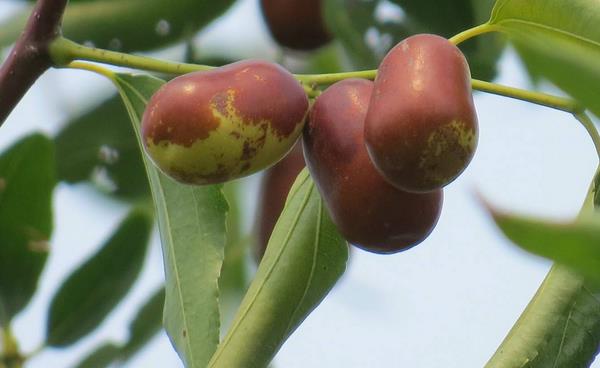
point(214, 126)
point(296, 24)
point(421, 128)
point(274, 188)
point(369, 212)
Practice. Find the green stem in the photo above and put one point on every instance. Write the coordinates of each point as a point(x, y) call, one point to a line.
point(64, 51)
point(472, 32)
point(559, 103)
point(587, 123)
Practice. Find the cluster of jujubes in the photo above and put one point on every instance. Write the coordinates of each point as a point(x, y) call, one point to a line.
point(379, 152)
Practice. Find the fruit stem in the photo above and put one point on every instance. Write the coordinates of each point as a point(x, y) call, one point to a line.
point(538, 98)
point(587, 123)
point(472, 32)
point(91, 68)
point(64, 51)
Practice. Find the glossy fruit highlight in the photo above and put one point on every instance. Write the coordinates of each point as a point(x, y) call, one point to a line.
point(368, 211)
point(214, 126)
point(421, 128)
point(274, 189)
point(296, 24)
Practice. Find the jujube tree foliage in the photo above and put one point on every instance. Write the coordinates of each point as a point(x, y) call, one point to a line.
point(380, 112)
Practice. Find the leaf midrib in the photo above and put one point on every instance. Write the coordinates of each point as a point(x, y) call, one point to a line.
point(266, 278)
point(163, 206)
point(546, 28)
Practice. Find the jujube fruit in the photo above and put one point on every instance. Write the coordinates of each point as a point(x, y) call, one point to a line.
point(274, 188)
point(421, 128)
point(296, 24)
point(368, 211)
point(214, 126)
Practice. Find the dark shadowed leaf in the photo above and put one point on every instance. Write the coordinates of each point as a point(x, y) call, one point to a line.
point(101, 357)
point(304, 259)
point(559, 40)
point(92, 291)
point(192, 223)
point(27, 179)
point(368, 29)
point(101, 146)
point(127, 25)
point(146, 324)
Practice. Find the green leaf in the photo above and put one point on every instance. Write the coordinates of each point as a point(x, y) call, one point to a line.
point(559, 40)
point(575, 244)
point(127, 25)
point(100, 145)
point(147, 323)
point(354, 21)
point(192, 226)
point(304, 259)
point(234, 275)
point(27, 179)
point(92, 291)
point(101, 357)
point(560, 327)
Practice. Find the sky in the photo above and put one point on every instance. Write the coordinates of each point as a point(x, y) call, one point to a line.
point(448, 302)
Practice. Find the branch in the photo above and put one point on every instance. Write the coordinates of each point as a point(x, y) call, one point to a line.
point(29, 58)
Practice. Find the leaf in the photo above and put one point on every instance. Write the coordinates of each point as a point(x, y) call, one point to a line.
point(127, 25)
point(192, 226)
point(234, 275)
point(304, 259)
point(147, 323)
point(27, 179)
point(560, 327)
point(101, 357)
point(92, 291)
point(575, 244)
point(101, 146)
point(559, 40)
point(367, 36)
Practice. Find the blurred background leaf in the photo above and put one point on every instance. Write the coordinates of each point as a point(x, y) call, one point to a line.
point(127, 25)
point(100, 146)
point(27, 180)
point(92, 291)
point(368, 29)
point(145, 325)
point(556, 38)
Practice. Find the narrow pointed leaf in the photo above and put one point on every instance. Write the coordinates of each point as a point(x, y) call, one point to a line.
point(127, 25)
point(192, 226)
point(101, 357)
point(92, 291)
point(560, 327)
point(575, 244)
point(146, 324)
point(304, 259)
point(100, 146)
point(27, 179)
point(558, 39)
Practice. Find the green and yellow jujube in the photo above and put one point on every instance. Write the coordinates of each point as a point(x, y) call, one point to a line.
point(218, 125)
